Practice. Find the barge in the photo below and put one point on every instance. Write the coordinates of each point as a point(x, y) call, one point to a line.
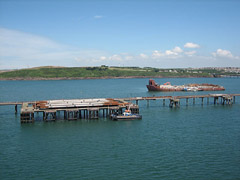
point(153, 86)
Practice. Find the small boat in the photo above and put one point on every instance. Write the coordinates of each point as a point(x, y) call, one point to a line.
point(127, 115)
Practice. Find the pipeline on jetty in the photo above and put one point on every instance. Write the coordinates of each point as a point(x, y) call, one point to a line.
point(102, 107)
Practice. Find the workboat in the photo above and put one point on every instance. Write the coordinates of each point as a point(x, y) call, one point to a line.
point(153, 86)
point(127, 115)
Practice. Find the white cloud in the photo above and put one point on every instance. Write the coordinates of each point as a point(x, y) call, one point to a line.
point(21, 50)
point(15, 43)
point(98, 17)
point(129, 58)
point(157, 54)
point(177, 50)
point(103, 58)
point(223, 53)
point(169, 53)
point(191, 45)
point(174, 53)
point(144, 56)
point(190, 53)
point(115, 57)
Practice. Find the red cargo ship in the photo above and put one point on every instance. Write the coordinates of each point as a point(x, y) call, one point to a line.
point(152, 86)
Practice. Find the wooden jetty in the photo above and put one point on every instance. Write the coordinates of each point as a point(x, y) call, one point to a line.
point(73, 109)
point(175, 100)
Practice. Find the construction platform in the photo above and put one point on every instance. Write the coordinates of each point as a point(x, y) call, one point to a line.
point(74, 109)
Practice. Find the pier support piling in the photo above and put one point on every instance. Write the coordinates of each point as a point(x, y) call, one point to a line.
point(227, 99)
point(16, 109)
point(174, 103)
point(93, 113)
point(80, 114)
point(134, 109)
point(27, 117)
point(27, 113)
point(49, 116)
point(103, 112)
point(216, 100)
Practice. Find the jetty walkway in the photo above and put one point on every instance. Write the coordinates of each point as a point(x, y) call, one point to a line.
point(175, 100)
point(73, 109)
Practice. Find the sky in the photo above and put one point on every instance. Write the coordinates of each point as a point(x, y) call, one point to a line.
point(144, 33)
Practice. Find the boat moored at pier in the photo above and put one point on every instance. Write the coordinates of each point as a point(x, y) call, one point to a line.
point(127, 115)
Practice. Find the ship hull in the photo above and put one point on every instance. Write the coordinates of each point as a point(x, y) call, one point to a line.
point(152, 86)
point(158, 88)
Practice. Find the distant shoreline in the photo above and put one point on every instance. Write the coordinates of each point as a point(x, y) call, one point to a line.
point(104, 77)
point(105, 72)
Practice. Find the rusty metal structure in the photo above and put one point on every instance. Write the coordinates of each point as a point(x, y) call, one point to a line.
point(153, 86)
point(73, 109)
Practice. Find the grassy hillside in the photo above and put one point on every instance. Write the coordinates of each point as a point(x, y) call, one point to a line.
point(104, 71)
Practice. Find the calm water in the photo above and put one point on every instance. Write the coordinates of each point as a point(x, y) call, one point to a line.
point(194, 142)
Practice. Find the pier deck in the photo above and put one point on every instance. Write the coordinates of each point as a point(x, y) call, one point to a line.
point(74, 109)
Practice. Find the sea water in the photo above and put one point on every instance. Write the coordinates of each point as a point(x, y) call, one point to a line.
point(190, 142)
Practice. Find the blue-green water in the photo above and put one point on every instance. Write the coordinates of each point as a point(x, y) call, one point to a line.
point(194, 142)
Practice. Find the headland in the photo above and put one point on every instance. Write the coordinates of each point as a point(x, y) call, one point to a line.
point(113, 72)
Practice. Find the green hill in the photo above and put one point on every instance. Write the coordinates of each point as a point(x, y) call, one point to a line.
point(103, 72)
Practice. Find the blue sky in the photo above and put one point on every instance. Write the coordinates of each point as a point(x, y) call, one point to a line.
point(173, 33)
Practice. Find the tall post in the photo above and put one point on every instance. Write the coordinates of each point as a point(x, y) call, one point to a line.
point(65, 115)
point(202, 100)
point(32, 117)
point(187, 102)
point(170, 103)
point(163, 102)
point(193, 100)
point(16, 109)
point(136, 102)
point(223, 102)
point(80, 114)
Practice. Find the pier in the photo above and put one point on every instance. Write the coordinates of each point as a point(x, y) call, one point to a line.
point(52, 110)
point(175, 100)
